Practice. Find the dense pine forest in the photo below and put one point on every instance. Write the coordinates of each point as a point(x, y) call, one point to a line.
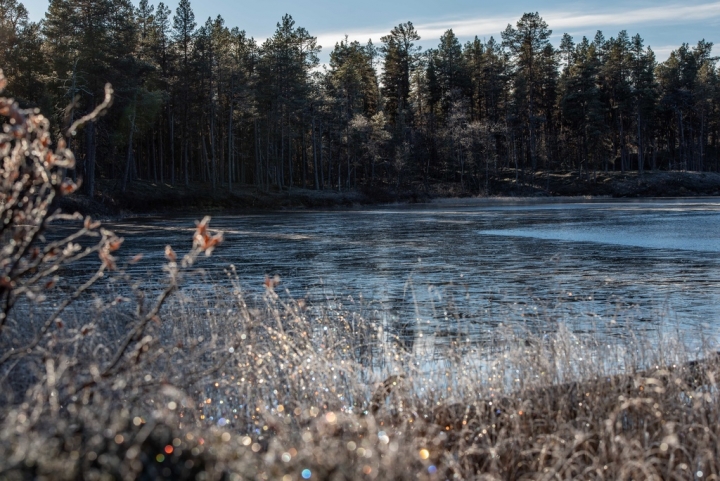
point(203, 102)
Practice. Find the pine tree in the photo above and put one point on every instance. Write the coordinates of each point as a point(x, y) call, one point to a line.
point(286, 61)
point(81, 53)
point(530, 50)
point(450, 72)
point(580, 102)
point(13, 20)
point(353, 84)
point(162, 57)
point(401, 57)
point(183, 36)
point(21, 55)
point(644, 93)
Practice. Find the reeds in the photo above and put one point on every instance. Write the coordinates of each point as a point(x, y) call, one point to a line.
point(265, 388)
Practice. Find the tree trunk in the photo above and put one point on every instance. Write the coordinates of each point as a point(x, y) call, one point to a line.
point(641, 158)
point(129, 158)
point(329, 164)
point(347, 153)
point(289, 154)
point(154, 157)
point(162, 157)
point(303, 156)
point(281, 162)
point(320, 168)
point(213, 152)
point(267, 158)
point(207, 173)
point(172, 149)
point(315, 157)
point(623, 155)
point(702, 141)
point(230, 143)
point(257, 180)
point(683, 154)
point(186, 160)
point(90, 159)
point(290, 169)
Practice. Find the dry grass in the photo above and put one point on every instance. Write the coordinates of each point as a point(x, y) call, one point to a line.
point(274, 388)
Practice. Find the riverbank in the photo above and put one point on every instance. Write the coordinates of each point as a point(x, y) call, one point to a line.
point(149, 197)
point(152, 197)
point(257, 395)
point(606, 184)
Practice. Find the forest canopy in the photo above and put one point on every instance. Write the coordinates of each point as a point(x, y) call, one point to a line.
point(203, 102)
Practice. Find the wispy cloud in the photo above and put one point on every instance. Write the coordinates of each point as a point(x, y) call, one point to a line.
point(558, 21)
point(663, 52)
point(675, 14)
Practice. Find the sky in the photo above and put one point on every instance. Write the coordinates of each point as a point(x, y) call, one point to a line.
point(663, 24)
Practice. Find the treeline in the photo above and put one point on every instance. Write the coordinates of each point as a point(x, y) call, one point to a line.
point(209, 104)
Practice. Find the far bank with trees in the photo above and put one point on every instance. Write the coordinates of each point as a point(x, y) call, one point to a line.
point(201, 103)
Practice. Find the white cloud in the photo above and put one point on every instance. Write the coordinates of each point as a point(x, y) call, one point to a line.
point(653, 15)
point(328, 40)
point(662, 53)
point(558, 21)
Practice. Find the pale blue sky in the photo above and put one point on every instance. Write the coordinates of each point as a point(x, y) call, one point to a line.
point(664, 24)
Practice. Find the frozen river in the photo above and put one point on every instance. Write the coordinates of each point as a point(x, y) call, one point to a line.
point(463, 267)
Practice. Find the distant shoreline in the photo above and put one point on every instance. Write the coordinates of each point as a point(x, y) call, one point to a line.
point(145, 197)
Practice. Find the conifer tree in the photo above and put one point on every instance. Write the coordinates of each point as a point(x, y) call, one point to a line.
point(450, 72)
point(401, 57)
point(530, 50)
point(183, 36)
